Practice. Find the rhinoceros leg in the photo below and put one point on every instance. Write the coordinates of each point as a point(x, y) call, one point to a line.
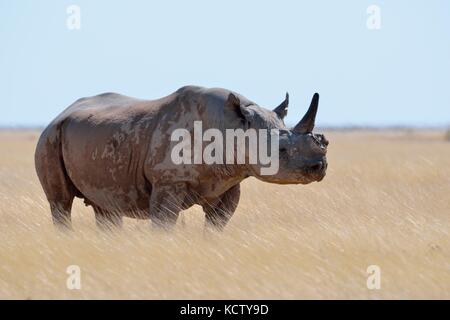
point(165, 204)
point(61, 213)
point(218, 214)
point(106, 220)
point(52, 174)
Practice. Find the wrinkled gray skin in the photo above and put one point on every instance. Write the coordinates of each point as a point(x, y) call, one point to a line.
point(114, 151)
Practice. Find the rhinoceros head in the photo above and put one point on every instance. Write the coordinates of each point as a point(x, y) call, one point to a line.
point(302, 153)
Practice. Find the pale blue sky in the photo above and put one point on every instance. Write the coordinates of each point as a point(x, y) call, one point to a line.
point(398, 75)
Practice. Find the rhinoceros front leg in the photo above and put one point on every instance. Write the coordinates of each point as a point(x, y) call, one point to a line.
point(165, 204)
point(218, 213)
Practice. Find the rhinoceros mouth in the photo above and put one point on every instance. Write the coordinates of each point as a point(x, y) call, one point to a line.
point(322, 175)
point(297, 177)
point(319, 174)
point(316, 170)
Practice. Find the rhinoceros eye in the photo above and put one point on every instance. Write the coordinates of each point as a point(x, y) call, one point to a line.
point(283, 154)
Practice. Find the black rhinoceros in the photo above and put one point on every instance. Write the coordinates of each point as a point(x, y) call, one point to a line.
point(115, 152)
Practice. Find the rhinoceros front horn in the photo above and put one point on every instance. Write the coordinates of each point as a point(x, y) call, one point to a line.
point(306, 125)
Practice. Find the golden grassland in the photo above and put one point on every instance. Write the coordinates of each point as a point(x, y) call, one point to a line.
point(385, 201)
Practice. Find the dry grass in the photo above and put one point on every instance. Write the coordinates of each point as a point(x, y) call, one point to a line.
point(385, 201)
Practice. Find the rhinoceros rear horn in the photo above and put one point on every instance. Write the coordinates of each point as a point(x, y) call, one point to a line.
point(306, 125)
point(282, 109)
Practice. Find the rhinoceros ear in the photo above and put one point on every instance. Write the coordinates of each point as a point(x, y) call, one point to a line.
point(282, 109)
point(234, 103)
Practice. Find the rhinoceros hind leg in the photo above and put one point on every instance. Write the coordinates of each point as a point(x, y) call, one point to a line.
point(54, 179)
point(219, 213)
point(61, 214)
point(107, 220)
